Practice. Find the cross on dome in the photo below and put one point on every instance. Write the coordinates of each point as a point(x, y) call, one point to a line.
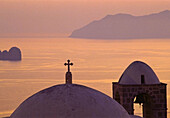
point(68, 64)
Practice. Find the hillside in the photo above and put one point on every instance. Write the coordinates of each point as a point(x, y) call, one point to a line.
point(126, 26)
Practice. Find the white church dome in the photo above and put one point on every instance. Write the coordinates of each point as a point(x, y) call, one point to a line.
point(70, 101)
point(133, 116)
point(138, 73)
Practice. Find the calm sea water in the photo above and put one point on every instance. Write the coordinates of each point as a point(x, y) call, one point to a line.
point(97, 63)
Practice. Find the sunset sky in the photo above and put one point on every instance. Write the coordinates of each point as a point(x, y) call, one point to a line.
point(64, 16)
point(97, 63)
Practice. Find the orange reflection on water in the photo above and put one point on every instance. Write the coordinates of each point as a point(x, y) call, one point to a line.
point(97, 63)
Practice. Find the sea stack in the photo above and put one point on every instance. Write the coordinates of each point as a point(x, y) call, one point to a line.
point(14, 54)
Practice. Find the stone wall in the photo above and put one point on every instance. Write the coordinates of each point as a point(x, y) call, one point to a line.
point(125, 95)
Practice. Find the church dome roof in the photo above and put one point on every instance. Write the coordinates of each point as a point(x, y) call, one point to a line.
point(133, 116)
point(135, 72)
point(70, 100)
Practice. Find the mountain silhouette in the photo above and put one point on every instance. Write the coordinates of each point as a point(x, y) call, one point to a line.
point(126, 26)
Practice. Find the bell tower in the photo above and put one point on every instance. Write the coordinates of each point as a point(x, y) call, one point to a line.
point(139, 84)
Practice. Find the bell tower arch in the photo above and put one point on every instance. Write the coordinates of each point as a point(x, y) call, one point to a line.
point(140, 82)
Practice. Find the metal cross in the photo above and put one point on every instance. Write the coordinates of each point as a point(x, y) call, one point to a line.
point(68, 65)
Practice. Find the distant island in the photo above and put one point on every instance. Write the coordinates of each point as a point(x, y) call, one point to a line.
point(126, 26)
point(14, 54)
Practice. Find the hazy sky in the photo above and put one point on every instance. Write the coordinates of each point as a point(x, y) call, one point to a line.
point(63, 16)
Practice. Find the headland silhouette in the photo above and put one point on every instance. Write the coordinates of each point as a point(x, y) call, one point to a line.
point(126, 26)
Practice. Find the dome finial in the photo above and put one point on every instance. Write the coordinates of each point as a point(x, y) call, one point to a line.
point(68, 73)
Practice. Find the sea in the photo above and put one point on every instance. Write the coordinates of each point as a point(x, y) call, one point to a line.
point(96, 64)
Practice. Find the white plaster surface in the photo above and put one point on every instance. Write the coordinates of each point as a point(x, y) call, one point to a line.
point(132, 75)
point(70, 101)
point(133, 116)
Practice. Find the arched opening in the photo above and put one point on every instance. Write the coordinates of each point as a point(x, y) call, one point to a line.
point(138, 108)
point(117, 97)
point(142, 105)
